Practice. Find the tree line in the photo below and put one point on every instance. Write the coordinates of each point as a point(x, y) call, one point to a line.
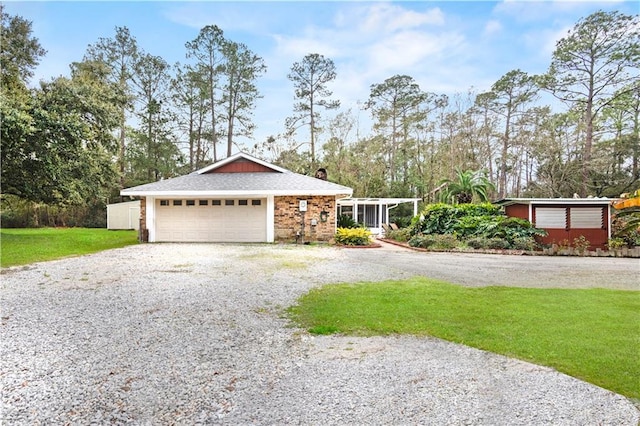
point(125, 117)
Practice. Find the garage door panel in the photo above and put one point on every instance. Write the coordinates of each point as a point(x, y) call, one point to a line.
point(209, 223)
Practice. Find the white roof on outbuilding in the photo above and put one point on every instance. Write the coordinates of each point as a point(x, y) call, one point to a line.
point(556, 201)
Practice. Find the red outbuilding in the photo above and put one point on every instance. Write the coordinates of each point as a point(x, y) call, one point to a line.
point(565, 219)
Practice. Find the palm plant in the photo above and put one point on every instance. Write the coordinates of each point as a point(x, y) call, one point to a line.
point(466, 186)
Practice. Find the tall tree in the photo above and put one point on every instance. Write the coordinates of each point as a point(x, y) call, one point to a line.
point(156, 153)
point(556, 153)
point(119, 53)
point(395, 106)
point(508, 98)
point(20, 52)
point(310, 78)
point(207, 50)
point(190, 97)
point(241, 69)
point(65, 154)
point(598, 56)
point(623, 117)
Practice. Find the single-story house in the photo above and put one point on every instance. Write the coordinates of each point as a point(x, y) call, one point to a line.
point(124, 215)
point(238, 199)
point(373, 212)
point(565, 219)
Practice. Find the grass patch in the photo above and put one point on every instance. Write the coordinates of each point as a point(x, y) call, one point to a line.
point(591, 334)
point(24, 246)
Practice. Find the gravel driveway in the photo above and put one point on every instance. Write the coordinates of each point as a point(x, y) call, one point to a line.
point(193, 333)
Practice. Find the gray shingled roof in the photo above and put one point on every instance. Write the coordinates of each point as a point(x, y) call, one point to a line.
point(287, 183)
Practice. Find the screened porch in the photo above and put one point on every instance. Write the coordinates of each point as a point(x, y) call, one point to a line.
point(373, 212)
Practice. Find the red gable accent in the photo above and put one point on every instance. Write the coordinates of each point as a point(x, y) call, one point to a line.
point(242, 165)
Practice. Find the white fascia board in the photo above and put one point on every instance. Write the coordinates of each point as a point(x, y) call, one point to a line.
point(209, 194)
point(572, 201)
point(553, 201)
point(376, 201)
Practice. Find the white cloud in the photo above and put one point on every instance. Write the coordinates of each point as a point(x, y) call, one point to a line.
point(541, 10)
point(492, 27)
point(200, 14)
point(406, 49)
point(385, 18)
point(296, 48)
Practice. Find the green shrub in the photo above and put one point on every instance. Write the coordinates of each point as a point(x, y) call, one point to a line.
point(524, 243)
point(615, 243)
point(345, 221)
point(18, 213)
point(435, 219)
point(476, 226)
point(353, 236)
point(441, 242)
point(497, 243)
point(402, 234)
point(477, 243)
point(422, 241)
point(581, 243)
point(479, 222)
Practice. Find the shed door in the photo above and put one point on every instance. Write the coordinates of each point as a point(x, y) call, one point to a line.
point(219, 220)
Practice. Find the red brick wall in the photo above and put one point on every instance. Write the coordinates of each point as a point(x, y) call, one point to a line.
point(288, 219)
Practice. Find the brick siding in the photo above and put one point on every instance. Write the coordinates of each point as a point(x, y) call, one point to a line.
point(143, 232)
point(288, 219)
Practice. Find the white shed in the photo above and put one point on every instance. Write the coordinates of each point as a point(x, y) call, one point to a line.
point(124, 215)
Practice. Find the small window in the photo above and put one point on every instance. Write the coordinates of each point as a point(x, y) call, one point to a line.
point(551, 217)
point(191, 202)
point(203, 202)
point(229, 202)
point(243, 202)
point(164, 202)
point(177, 202)
point(586, 217)
point(216, 203)
point(256, 202)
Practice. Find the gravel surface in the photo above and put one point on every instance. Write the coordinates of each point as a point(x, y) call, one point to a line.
point(194, 333)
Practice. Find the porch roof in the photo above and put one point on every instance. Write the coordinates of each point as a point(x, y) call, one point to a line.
point(377, 201)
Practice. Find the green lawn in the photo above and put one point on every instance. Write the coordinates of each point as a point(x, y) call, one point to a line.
point(24, 246)
point(591, 334)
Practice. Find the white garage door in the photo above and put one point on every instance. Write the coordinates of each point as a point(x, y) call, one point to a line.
point(219, 220)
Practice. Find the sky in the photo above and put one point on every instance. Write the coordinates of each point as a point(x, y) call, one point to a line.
point(448, 47)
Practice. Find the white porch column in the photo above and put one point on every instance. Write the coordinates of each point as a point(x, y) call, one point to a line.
point(531, 213)
point(271, 207)
point(151, 218)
